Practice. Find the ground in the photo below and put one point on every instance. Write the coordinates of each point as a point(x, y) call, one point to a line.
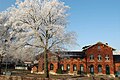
point(24, 73)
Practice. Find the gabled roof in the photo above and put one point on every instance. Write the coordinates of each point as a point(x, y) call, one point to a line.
point(98, 43)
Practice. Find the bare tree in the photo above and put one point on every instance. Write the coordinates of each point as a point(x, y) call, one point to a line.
point(40, 24)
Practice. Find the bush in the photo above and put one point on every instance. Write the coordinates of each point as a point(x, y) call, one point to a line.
point(78, 72)
point(81, 72)
point(64, 72)
point(101, 78)
point(59, 71)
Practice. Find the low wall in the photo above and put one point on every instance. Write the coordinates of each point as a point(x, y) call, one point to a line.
point(21, 68)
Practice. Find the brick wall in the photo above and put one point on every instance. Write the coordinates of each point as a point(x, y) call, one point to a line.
point(103, 50)
point(117, 66)
point(97, 49)
point(71, 62)
point(51, 61)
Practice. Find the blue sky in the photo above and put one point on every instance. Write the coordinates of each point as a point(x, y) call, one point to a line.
point(92, 20)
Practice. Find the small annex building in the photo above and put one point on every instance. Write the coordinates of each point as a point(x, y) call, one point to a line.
point(94, 59)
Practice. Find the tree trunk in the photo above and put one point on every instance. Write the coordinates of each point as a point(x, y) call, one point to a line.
point(0, 65)
point(46, 72)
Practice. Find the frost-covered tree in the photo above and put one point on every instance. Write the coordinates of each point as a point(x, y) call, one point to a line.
point(3, 31)
point(4, 36)
point(40, 24)
point(23, 53)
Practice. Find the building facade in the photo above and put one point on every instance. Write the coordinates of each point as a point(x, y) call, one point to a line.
point(94, 59)
point(100, 59)
point(116, 62)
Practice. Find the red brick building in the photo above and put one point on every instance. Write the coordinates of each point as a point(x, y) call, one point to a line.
point(116, 62)
point(94, 59)
point(100, 59)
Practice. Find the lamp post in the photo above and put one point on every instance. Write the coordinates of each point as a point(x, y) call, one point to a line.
point(1, 57)
point(2, 54)
point(6, 65)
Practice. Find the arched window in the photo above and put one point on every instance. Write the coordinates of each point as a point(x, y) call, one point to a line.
point(91, 69)
point(68, 67)
point(62, 67)
point(74, 67)
point(91, 57)
point(51, 66)
point(81, 68)
point(99, 57)
point(99, 68)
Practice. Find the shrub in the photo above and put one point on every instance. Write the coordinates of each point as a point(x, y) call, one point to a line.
point(64, 72)
point(81, 72)
point(59, 71)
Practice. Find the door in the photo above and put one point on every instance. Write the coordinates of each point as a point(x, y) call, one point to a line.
point(107, 69)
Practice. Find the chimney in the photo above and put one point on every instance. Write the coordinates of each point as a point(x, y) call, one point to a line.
point(106, 43)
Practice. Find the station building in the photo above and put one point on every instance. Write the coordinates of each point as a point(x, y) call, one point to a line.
point(93, 59)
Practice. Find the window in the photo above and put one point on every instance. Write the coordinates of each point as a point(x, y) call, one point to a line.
point(81, 68)
point(81, 58)
point(51, 66)
point(68, 67)
point(91, 57)
point(119, 68)
point(74, 67)
point(99, 57)
point(107, 57)
point(62, 67)
point(99, 68)
point(98, 47)
point(91, 69)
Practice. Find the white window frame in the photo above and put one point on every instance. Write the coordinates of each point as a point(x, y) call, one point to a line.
point(91, 57)
point(107, 58)
point(99, 57)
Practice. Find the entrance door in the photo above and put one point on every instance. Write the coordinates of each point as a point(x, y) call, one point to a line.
point(91, 69)
point(107, 69)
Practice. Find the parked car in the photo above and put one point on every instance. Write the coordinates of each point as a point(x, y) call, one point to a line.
point(117, 74)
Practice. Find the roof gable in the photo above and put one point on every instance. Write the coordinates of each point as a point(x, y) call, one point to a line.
point(98, 43)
